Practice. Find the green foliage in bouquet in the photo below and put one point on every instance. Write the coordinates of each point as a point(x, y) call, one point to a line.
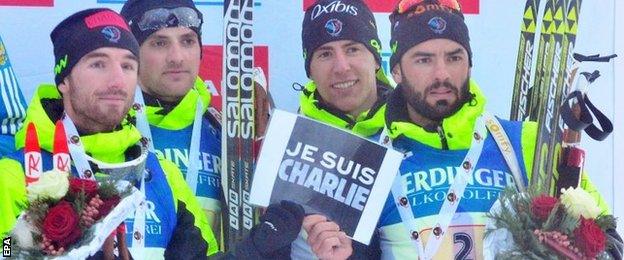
point(544, 227)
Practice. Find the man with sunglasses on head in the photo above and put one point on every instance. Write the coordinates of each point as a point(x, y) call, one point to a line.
point(176, 102)
point(96, 72)
point(173, 100)
point(437, 117)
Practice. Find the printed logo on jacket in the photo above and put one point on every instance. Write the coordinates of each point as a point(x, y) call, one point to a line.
point(429, 173)
point(177, 151)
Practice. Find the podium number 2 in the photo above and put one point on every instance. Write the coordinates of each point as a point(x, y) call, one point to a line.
point(466, 247)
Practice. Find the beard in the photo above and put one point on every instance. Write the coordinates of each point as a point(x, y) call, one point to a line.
point(442, 108)
point(96, 117)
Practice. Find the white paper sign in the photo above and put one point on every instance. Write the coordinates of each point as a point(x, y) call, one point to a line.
point(327, 170)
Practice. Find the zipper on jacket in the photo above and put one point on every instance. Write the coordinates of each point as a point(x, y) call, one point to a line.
point(443, 137)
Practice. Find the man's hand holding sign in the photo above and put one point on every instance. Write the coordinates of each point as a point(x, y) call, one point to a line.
point(326, 239)
point(341, 180)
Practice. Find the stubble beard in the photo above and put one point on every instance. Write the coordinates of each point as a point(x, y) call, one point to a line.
point(442, 108)
point(94, 118)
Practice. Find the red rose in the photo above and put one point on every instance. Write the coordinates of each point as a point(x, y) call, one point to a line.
point(542, 205)
point(107, 207)
point(61, 224)
point(589, 237)
point(76, 185)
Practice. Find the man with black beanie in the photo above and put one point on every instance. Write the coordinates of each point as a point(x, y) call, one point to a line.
point(454, 169)
point(348, 89)
point(342, 55)
point(172, 106)
point(96, 71)
point(437, 115)
point(176, 101)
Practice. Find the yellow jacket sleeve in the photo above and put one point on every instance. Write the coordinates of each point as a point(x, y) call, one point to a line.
point(12, 194)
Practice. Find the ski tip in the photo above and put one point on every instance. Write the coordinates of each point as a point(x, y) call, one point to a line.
point(32, 141)
point(60, 139)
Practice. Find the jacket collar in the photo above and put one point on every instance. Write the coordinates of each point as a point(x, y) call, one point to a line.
point(183, 114)
point(457, 127)
point(366, 124)
point(108, 147)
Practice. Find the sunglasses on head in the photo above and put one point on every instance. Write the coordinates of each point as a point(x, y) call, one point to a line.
point(159, 18)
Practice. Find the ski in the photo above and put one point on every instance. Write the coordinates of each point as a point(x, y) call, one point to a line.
point(522, 85)
point(33, 166)
point(238, 119)
point(572, 10)
point(247, 100)
point(546, 85)
point(61, 159)
point(231, 121)
point(547, 27)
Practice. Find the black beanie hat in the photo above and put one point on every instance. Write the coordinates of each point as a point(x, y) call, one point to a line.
point(86, 31)
point(414, 24)
point(133, 11)
point(332, 20)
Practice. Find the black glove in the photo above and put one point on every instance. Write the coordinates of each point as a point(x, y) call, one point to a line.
point(271, 238)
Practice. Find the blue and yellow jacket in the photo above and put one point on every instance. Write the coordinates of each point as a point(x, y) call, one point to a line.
point(174, 218)
point(435, 159)
point(176, 120)
point(12, 103)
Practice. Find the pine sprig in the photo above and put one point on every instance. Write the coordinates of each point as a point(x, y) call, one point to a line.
point(80, 202)
point(568, 222)
point(108, 190)
point(606, 222)
point(38, 210)
point(108, 186)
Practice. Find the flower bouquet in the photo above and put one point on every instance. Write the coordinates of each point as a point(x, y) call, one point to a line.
point(71, 217)
point(533, 225)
